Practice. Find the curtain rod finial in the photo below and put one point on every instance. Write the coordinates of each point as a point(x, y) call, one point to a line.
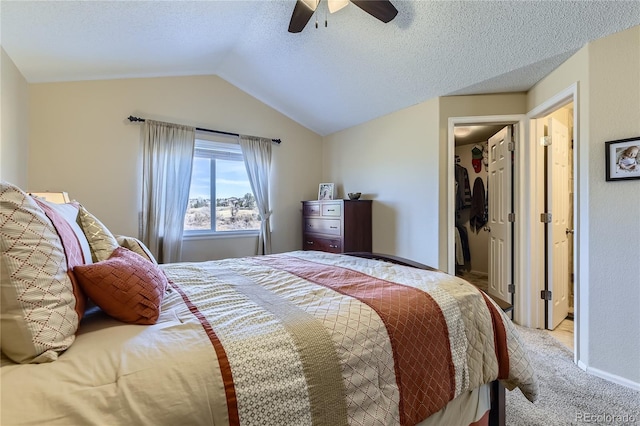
point(132, 118)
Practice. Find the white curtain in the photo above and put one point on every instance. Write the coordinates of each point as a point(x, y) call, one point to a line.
point(166, 166)
point(257, 159)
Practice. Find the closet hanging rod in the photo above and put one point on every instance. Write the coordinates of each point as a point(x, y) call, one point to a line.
point(142, 120)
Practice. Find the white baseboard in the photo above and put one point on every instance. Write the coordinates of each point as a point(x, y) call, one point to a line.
point(613, 378)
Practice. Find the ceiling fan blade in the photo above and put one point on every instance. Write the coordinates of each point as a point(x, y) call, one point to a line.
point(380, 9)
point(301, 14)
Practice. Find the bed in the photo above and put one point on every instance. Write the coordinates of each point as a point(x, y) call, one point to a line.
point(288, 339)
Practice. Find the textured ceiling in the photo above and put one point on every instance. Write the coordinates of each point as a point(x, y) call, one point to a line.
point(326, 79)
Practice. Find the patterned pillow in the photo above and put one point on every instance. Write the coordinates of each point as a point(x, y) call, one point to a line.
point(71, 214)
point(37, 309)
point(101, 240)
point(136, 246)
point(72, 250)
point(126, 286)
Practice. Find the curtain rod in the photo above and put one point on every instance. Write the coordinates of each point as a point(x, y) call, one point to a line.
point(132, 119)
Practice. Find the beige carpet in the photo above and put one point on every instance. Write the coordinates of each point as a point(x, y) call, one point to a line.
point(568, 395)
point(478, 279)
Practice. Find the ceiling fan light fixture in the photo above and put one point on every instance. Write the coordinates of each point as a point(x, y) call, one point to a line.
point(311, 4)
point(336, 5)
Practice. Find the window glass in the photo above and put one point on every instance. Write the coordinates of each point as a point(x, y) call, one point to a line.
point(220, 197)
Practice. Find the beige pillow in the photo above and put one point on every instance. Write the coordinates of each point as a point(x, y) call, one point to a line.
point(136, 246)
point(101, 240)
point(38, 319)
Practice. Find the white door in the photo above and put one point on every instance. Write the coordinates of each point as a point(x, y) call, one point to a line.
point(499, 199)
point(559, 230)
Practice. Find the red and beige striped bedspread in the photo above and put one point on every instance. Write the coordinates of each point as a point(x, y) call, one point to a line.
point(299, 338)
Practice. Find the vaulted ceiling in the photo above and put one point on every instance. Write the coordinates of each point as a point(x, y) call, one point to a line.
point(327, 78)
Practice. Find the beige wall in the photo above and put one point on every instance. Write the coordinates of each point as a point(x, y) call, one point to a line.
point(13, 122)
point(607, 72)
point(399, 161)
point(394, 161)
point(81, 142)
point(614, 208)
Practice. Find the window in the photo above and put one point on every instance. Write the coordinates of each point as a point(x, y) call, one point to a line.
point(220, 197)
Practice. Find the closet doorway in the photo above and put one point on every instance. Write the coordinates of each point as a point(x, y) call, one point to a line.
point(483, 187)
point(555, 133)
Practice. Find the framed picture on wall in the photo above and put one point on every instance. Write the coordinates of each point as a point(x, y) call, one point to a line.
point(325, 191)
point(623, 159)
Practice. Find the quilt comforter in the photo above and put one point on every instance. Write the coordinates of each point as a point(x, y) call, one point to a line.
point(289, 339)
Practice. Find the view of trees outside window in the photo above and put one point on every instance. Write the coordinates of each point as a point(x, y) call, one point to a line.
point(235, 206)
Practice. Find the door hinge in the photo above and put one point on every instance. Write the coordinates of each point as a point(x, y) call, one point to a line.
point(511, 147)
point(545, 217)
point(545, 295)
point(546, 141)
point(511, 217)
point(511, 288)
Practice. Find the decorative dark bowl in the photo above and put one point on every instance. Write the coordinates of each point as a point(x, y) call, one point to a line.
point(354, 195)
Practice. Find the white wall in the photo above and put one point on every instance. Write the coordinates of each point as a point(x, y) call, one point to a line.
point(81, 142)
point(13, 122)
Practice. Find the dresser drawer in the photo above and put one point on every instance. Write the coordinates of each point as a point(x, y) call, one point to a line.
point(322, 226)
point(332, 209)
point(309, 209)
point(321, 244)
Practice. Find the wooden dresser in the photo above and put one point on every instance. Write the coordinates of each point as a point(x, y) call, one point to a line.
point(336, 226)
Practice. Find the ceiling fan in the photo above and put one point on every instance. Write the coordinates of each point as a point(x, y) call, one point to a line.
point(380, 9)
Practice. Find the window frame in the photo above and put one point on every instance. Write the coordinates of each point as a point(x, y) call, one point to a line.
point(214, 146)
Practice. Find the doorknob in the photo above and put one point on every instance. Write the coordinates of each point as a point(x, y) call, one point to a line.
point(487, 228)
point(568, 231)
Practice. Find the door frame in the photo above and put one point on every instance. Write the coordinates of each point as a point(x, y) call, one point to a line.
point(580, 221)
point(529, 203)
point(521, 122)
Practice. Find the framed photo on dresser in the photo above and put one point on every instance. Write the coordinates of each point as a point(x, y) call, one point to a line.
point(326, 191)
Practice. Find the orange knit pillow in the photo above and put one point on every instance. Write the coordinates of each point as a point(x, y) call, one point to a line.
point(125, 286)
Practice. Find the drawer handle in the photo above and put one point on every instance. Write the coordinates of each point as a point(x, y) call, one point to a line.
point(332, 246)
point(333, 227)
point(309, 225)
point(310, 243)
point(331, 210)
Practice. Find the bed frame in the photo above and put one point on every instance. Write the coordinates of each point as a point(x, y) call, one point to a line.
point(498, 408)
